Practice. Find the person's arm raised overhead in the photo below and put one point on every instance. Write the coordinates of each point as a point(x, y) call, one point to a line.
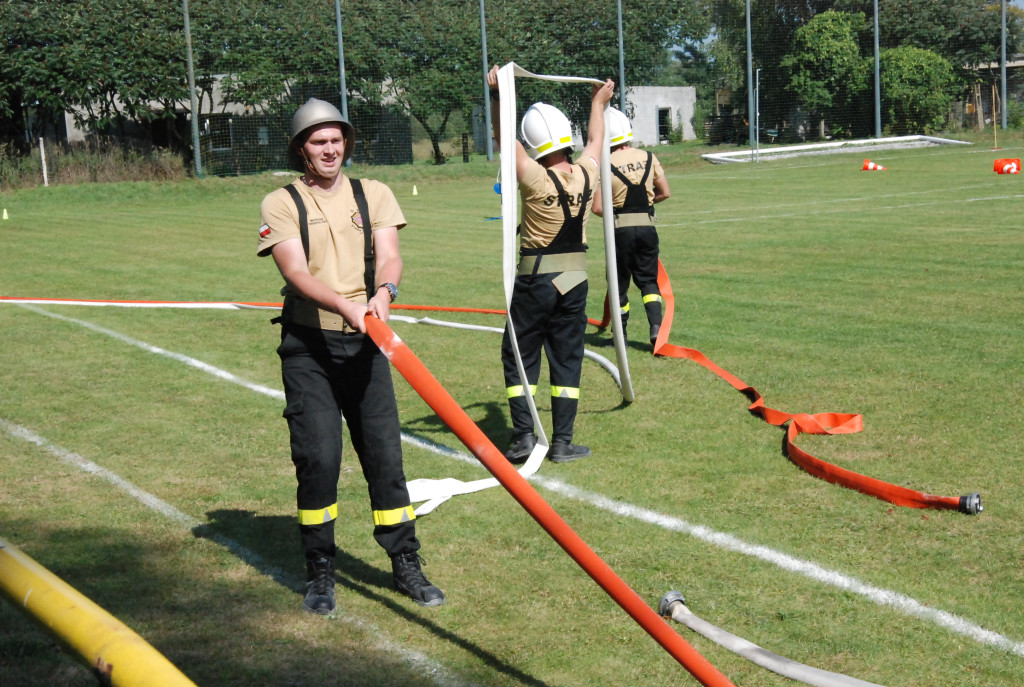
point(599, 97)
point(522, 158)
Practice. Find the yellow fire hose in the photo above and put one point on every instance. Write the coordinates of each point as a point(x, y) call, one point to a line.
point(116, 654)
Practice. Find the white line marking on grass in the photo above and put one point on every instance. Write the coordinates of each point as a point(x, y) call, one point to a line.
point(882, 597)
point(815, 211)
point(191, 362)
point(432, 669)
point(149, 500)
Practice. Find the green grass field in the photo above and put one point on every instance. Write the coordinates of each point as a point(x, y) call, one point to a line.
point(893, 294)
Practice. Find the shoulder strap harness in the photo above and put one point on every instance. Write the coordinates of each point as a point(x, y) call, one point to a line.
point(364, 214)
point(570, 237)
point(636, 194)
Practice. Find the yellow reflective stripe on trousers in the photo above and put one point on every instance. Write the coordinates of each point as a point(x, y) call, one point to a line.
point(565, 392)
point(318, 516)
point(394, 516)
point(652, 297)
point(517, 390)
point(624, 309)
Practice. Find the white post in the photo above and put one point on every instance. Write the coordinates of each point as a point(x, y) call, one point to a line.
point(42, 154)
point(757, 116)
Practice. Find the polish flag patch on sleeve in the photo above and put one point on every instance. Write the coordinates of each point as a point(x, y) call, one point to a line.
point(264, 231)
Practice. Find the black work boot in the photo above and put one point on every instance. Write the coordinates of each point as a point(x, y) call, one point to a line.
point(655, 328)
point(410, 580)
point(565, 452)
point(521, 449)
point(320, 586)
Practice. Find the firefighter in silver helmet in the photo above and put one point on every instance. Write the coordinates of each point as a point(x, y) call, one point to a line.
point(319, 229)
point(548, 306)
point(638, 182)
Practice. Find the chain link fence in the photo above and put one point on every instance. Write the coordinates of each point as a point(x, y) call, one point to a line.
point(409, 75)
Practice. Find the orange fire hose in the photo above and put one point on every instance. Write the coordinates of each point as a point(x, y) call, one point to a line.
point(799, 423)
point(420, 378)
point(803, 423)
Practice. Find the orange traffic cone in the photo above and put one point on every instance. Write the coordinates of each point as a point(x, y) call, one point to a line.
point(1007, 166)
point(868, 164)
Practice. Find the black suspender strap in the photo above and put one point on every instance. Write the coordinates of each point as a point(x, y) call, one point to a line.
point(570, 236)
point(300, 206)
point(369, 262)
point(369, 267)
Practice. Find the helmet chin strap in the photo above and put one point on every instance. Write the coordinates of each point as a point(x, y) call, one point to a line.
point(310, 170)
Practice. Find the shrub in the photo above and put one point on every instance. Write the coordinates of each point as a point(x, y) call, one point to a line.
point(88, 163)
point(917, 90)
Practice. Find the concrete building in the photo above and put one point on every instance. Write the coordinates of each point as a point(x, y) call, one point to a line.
point(655, 112)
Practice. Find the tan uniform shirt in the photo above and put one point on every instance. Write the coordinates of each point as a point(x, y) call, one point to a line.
point(632, 162)
point(542, 214)
point(335, 241)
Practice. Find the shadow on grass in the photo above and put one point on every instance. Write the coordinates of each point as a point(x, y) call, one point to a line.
point(361, 578)
point(270, 544)
point(492, 421)
point(600, 342)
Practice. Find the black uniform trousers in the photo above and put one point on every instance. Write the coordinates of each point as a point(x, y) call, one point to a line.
point(636, 257)
point(328, 375)
point(545, 318)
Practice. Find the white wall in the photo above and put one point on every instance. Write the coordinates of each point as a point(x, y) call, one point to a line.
point(644, 102)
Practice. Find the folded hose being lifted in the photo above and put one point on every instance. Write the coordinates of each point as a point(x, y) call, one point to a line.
point(803, 423)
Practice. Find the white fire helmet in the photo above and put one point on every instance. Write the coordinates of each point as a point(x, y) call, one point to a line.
point(545, 129)
point(312, 113)
point(619, 129)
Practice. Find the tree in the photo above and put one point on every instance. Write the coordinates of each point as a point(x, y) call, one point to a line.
point(12, 120)
point(918, 87)
point(827, 72)
point(106, 61)
point(966, 32)
point(581, 39)
point(773, 29)
point(709, 66)
point(438, 70)
point(269, 57)
point(119, 61)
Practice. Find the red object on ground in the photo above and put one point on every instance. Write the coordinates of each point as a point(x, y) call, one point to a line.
point(1007, 166)
point(800, 423)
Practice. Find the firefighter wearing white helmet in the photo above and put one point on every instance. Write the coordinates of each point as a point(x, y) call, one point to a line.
point(638, 182)
point(320, 230)
point(619, 129)
point(545, 130)
point(549, 299)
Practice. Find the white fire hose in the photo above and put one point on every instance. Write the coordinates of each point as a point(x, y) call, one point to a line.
point(674, 605)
